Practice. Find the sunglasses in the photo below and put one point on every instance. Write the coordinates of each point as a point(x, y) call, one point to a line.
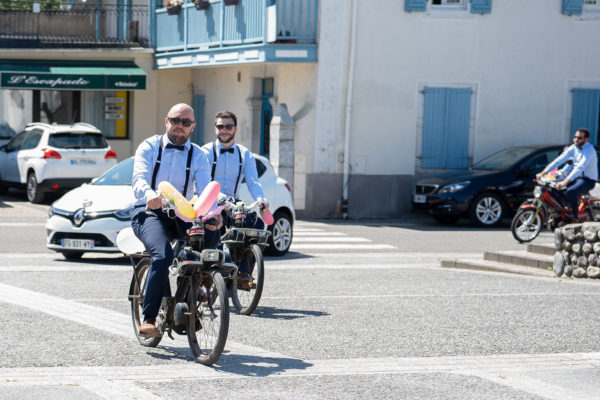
point(185, 122)
point(227, 127)
point(579, 137)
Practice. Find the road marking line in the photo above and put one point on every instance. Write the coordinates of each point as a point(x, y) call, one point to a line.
point(329, 239)
point(290, 367)
point(316, 246)
point(364, 255)
point(416, 296)
point(8, 224)
point(113, 322)
point(64, 268)
point(320, 233)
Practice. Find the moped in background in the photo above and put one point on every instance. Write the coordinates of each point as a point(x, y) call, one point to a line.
point(245, 244)
point(545, 209)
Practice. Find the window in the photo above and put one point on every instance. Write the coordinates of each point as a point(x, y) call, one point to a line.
point(447, 2)
point(16, 142)
point(462, 6)
point(447, 5)
point(32, 140)
point(77, 141)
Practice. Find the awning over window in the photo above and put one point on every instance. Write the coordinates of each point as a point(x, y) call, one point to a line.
point(71, 75)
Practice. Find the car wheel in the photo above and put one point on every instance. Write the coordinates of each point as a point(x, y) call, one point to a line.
point(446, 219)
point(281, 234)
point(3, 188)
point(72, 255)
point(34, 195)
point(487, 209)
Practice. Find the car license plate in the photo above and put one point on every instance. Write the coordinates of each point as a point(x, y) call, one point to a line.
point(83, 162)
point(419, 198)
point(77, 244)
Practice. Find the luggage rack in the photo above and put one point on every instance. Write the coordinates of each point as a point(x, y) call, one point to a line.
point(244, 235)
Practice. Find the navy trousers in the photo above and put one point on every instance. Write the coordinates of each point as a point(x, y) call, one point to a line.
point(155, 230)
point(576, 188)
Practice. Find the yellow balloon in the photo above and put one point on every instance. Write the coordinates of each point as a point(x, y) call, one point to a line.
point(169, 192)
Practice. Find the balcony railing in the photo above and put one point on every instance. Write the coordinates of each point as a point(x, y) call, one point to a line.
point(247, 22)
point(74, 25)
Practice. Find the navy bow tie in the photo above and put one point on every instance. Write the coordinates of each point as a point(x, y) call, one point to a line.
point(175, 146)
point(229, 150)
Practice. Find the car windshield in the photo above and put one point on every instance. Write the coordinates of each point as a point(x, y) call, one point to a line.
point(502, 159)
point(120, 174)
point(77, 141)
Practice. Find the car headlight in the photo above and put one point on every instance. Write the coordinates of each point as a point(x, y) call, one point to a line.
point(454, 187)
point(124, 213)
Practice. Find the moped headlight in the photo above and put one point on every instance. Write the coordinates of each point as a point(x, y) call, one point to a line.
point(210, 255)
point(537, 192)
point(454, 187)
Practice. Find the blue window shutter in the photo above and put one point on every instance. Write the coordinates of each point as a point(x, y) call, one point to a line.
point(572, 7)
point(586, 111)
point(434, 133)
point(458, 112)
point(481, 6)
point(446, 128)
point(414, 5)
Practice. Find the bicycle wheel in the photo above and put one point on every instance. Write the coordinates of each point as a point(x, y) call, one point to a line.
point(525, 227)
point(208, 323)
point(245, 297)
point(136, 297)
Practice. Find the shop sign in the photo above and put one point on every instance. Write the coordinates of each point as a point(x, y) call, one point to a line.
point(24, 80)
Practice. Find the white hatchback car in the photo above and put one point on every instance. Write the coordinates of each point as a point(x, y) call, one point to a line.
point(89, 218)
point(45, 158)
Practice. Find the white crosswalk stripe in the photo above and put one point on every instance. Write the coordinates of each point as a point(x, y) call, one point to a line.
point(309, 238)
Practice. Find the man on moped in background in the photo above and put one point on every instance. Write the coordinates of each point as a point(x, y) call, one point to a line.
point(230, 163)
point(584, 174)
point(170, 157)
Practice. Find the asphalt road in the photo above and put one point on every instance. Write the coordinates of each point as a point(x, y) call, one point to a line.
point(357, 309)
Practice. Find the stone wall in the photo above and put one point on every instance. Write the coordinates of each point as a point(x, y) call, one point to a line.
point(577, 250)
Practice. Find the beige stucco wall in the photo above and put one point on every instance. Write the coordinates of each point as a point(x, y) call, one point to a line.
point(522, 59)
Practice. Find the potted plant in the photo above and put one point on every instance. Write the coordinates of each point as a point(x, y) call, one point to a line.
point(202, 4)
point(174, 6)
point(230, 2)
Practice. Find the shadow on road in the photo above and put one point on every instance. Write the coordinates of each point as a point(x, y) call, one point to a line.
point(258, 366)
point(285, 313)
point(114, 260)
point(233, 363)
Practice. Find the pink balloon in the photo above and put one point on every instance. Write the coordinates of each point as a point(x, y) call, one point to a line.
point(207, 198)
point(267, 217)
point(214, 210)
